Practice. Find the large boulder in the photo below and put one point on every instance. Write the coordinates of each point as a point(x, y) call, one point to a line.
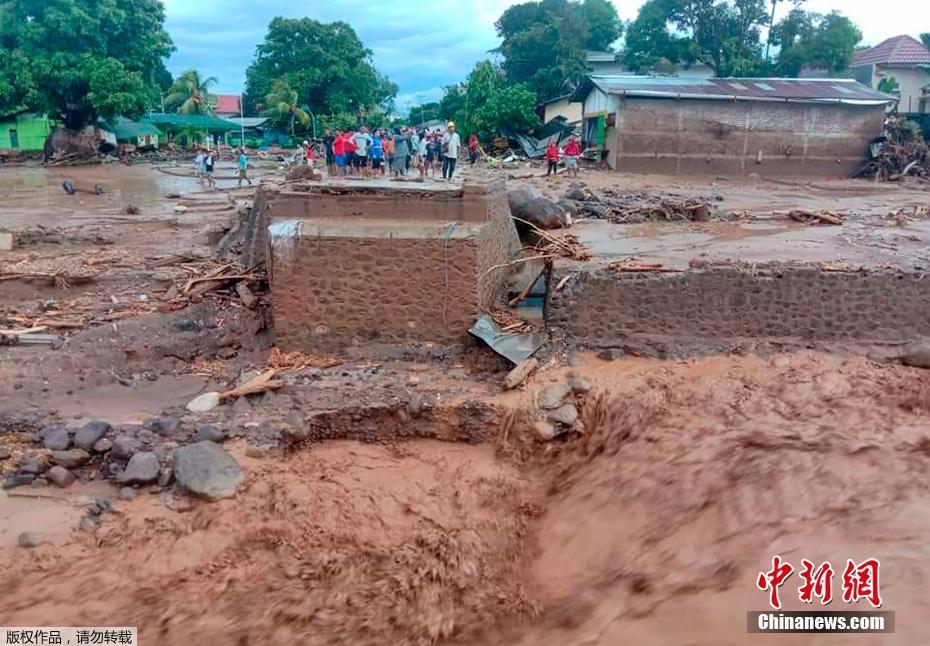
point(142, 469)
point(527, 205)
point(206, 469)
point(87, 435)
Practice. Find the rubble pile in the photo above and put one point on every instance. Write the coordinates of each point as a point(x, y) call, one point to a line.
point(637, 207)
point(900, 152)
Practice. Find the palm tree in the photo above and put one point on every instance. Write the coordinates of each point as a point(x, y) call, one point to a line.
point(282, 106)
point(191, 95)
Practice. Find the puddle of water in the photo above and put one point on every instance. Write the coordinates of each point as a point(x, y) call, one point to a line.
point(47, 511)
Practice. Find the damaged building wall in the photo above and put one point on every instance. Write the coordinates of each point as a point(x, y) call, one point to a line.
point(602, 308)
point(697, 136)
point(338, 279)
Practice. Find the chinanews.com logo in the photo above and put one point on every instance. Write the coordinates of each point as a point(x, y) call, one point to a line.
point(859, 585)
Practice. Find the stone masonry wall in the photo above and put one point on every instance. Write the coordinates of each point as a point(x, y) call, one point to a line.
point(600, 308)
point(736, 137)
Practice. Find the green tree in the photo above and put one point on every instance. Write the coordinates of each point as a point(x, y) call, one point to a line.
point(888, 85)
point(281, 106)
point(325, 63)
point(190, 94)
point(511, 106)
point(543, 43)
point(724, 34)
point(80, 60)
point(816, 40)
point(925, 39)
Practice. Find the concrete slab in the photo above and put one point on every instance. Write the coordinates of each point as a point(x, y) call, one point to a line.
point(866, 242)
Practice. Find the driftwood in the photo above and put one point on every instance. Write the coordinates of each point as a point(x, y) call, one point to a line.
point(262, 383)
point(521, 373)
point(636, 266)
point(815, 217)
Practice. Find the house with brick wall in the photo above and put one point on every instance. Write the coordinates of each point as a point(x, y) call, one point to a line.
point(731, 126)
point(907, 61)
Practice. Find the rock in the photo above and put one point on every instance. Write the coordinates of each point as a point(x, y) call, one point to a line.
point(917, 355)
point(71, 458)
point(247, 376)
point(610, 354)
point(255, 452)
point(206, 469)
point(142, 469)
point(269, 398)
point(165, 476)
point(569, 206)
point(166, 425)
point(520, 373)
point(242, 406)
point(125, 446)
point(575, 359)
point(102, 445)
point(5, 453)
point(210, 433)
point(18, 480)
point(566, 415)
point(575, 192)
point(33, 463)
point(552, 396)
point(544, 430)
point(88, 524)
point(187, 325)
point(57, 439)
point(127, 493)
point(542, 212)
point(415, 404)
point(30, 539)
point(60, 476)
point(87, 435)
point(578, 384)
point(204, 403)
point(39, 483)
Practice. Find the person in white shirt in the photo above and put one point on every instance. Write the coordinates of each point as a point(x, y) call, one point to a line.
point(198, 165)
point(450, 146)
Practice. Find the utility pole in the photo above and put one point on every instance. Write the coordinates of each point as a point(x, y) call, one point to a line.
point(768, 44)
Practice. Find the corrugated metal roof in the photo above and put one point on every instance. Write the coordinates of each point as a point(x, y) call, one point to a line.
point(899, 50)
point(126, 129)
point(189, 121)
point(246, 122)
point(746, 89)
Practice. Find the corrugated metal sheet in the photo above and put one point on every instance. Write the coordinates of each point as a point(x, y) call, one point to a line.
point(747, 89)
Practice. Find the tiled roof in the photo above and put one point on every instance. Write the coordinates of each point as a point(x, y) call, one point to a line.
point(749, 89)
point(227, 103)
point(900, 50)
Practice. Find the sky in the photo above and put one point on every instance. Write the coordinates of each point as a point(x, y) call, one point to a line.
point(422, 45)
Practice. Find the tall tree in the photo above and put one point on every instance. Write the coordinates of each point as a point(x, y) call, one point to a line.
point(649, 40)
point(811, 39)
point(925, 39)
point(543, 43)
point(281, 105)
point(326, 63)
point(190, 94)
point(78, 60)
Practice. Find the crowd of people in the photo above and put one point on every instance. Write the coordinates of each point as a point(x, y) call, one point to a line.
point(396, 152)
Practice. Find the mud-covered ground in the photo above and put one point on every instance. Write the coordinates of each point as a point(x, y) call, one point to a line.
point(422, 507)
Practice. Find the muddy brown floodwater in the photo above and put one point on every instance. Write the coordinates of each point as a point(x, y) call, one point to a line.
point(650, 528)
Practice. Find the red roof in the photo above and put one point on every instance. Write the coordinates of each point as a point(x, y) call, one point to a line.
point(227, 103)
point(900, 50)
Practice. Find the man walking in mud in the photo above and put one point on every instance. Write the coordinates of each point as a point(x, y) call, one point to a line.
point(243, 165)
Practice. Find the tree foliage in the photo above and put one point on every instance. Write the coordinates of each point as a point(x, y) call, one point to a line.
point(816, 40)
point(78, 60)
point(487, 101)
point(325, 63)
point(190, 94)
point(281, 106)
point(544, 43)
point(925, 39)
point(727, 36)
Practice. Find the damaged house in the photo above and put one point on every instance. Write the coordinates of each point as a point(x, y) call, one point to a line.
point(731, 125)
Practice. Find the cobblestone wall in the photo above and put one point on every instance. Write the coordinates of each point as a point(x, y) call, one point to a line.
point(600, 308)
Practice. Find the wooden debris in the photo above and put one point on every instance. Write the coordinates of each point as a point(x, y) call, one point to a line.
point(511, 323)
point(521, 373)
point(637, 266)
point(245, 295)
point(903, 152)
point(529, 288)
point(815, 217)
point(262, 383)
point(298, 360)
point(554, 246)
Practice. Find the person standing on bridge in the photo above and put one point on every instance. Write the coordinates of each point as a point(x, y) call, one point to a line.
point(450, 145)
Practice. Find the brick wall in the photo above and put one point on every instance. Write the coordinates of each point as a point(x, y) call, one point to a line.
point(601, 308)
point(712, 136)
point(417, 282)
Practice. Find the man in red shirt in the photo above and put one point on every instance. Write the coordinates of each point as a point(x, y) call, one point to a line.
point(339, 153)
point(349, 138)
point(552, 157)
point(572, 153)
